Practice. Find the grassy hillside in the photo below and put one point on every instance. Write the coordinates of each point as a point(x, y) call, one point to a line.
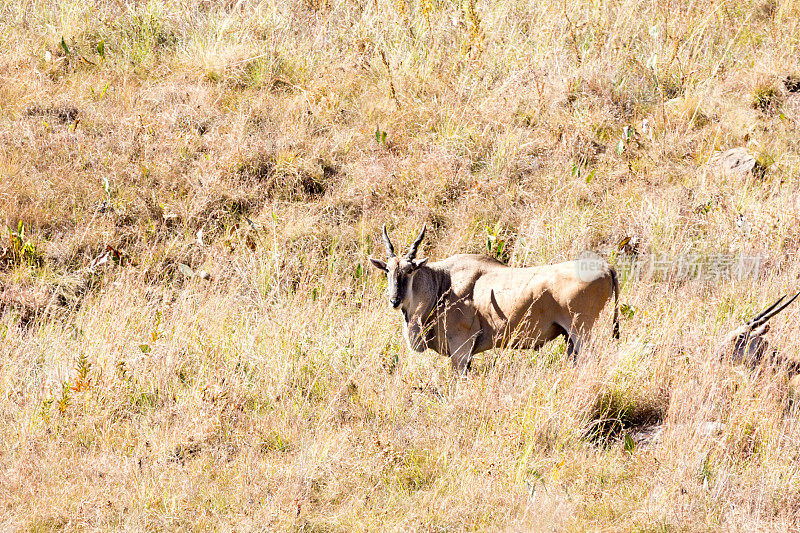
point(191, 336)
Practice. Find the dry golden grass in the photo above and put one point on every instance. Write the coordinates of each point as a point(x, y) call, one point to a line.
point(276, 393)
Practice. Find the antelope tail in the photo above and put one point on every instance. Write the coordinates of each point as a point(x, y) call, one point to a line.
point(615, 287)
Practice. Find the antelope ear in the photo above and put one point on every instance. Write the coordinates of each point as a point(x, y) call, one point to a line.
point(418, 262)
point(377, 263)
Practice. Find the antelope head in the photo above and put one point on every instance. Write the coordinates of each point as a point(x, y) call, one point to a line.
point(746, 344)
point(399, 270)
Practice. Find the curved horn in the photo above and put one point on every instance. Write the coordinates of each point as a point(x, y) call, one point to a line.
point(765, 311)
point(771, 312)
point(388, 243)
point(412, 251)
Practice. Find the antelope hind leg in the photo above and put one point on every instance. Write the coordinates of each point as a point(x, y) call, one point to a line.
point(577, 339)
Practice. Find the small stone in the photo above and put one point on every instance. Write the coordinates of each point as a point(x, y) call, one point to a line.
point(794, 386)
point(185, 269)
point(736, 162)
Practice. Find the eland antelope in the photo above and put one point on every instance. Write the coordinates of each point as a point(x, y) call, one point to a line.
point(747, 345)
point(470, 303)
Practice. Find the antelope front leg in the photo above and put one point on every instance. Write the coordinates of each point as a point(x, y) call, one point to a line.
point(461, 332)
point(461, 354)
